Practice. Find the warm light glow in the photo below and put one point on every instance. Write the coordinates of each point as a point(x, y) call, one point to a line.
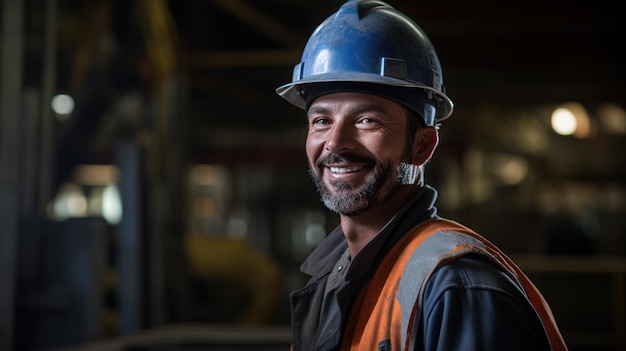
point(613, 118)
point(70, 202)
point(92, 193)
point(96, 175)
point(514, 170)
point(571, 119)
point(205, 207)
point(208, 175)
point(563, 121)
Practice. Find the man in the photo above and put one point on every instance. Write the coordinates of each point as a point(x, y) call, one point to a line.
point(393, 275)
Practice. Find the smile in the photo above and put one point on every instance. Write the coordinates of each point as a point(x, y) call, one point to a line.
point(343, 170)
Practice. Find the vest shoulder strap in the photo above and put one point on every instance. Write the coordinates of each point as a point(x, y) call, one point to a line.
point(436, 242)
point(379, 314)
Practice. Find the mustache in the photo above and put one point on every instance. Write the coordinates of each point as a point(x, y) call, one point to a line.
point(339, 158)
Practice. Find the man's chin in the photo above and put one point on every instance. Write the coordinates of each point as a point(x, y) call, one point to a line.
point(349, 206)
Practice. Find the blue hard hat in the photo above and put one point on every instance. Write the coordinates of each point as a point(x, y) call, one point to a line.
point(368, 46)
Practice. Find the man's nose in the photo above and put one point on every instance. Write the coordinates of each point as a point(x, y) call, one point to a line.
point(340, 137)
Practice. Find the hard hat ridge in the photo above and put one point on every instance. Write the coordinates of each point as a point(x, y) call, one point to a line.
point(373, 46)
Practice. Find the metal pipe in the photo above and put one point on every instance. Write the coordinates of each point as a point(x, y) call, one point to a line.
point(11, 97)
point(47, 118)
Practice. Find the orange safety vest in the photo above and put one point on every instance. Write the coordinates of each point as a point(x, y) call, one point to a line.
point(394, 288)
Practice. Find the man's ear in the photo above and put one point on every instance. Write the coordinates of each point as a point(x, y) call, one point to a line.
point(424, 144)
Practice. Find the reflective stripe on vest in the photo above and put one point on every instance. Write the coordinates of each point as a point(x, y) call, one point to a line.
point(400, 279)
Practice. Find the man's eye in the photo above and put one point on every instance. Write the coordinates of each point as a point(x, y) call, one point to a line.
point(319, 121)
point(367, 121)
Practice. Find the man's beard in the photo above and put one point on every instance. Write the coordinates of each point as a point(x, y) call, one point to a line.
point(383, 181)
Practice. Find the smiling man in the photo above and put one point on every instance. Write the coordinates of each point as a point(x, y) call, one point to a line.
point(394, 275)
point(361, 159)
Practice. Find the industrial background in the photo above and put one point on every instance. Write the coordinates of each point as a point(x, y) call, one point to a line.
point(154, 191)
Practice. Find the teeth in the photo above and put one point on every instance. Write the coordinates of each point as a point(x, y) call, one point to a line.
point(345, 169)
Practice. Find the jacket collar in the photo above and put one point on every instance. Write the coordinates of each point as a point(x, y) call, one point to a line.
point(419, 208)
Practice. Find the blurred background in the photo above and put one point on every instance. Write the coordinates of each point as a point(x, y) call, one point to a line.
point(154, 190)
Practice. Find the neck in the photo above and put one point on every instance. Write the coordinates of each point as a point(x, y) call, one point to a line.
point(360, 229)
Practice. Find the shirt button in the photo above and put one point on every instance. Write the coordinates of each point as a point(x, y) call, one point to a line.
point(339, 268)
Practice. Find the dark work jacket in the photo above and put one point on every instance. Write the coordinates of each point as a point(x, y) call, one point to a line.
point(467, 296)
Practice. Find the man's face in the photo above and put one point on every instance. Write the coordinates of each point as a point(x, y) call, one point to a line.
point(355, 145)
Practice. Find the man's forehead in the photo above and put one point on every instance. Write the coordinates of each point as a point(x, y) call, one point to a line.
point(358, 100)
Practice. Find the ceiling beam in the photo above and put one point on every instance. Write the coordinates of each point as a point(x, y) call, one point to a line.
point(260, 21)
point(244, 58)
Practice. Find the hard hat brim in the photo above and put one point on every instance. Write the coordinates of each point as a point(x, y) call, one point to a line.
point(292, 92)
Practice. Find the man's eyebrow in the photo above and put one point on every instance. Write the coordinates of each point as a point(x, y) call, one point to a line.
point(368, 108)
point(317, 110)
point(356, 110)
